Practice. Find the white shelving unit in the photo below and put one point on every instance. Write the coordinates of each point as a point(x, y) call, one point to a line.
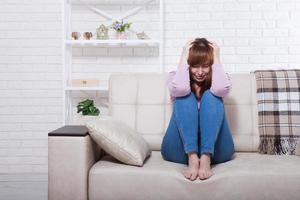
point(68, 43)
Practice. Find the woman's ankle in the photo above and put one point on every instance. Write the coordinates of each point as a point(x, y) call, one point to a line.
point(205, 156)
point(193, 156)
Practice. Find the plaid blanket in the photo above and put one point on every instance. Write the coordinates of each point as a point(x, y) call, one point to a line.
point(278, 98)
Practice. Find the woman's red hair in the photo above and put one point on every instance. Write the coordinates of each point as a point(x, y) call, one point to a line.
point(201, 53)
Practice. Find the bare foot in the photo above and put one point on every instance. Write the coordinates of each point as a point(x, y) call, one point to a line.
point(205, 169)
point(191, 172)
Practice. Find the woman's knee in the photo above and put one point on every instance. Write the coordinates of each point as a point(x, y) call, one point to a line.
point(208, 99)
point(209, 95)
point(186, 104)
point(189, 98)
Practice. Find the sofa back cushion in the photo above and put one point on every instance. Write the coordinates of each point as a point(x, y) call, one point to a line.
point(142, 101)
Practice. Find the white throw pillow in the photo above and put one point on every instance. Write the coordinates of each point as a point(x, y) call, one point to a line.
point(119, 140)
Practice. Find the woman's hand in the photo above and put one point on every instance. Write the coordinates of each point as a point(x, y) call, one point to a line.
point(188, 45)
point(185, 52)
point(216, 52)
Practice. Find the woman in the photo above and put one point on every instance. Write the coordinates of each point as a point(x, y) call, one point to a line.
point(198, 134)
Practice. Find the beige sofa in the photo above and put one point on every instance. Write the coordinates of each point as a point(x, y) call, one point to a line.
point(78, 169)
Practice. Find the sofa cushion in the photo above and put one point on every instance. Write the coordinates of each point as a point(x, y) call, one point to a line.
point(247, 176)
point(119, 140)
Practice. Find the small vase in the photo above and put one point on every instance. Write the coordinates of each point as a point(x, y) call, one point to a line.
point(121, 35)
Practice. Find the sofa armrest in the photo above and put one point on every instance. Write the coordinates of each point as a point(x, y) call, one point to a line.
point(71, 154)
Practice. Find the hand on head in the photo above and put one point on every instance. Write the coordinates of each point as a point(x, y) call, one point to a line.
point(216, 49)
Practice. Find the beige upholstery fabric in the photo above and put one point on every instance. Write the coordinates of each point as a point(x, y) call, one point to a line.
point(248, 176)
point(298, 148)
point(142, 101)
point(70, 159)
point(119, 140)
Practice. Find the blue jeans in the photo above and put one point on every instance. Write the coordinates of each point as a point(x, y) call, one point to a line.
point(203, 130)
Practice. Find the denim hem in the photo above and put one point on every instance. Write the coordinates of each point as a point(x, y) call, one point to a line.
point(191, 150)
point(207, 151)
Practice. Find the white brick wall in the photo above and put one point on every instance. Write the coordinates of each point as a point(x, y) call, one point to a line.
point(30, 84)
point(252, 34)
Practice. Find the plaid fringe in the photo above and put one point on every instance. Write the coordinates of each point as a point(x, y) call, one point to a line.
point(277, 146)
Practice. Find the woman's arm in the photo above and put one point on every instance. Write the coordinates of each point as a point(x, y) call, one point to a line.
point(178, 81)
point(221, 83)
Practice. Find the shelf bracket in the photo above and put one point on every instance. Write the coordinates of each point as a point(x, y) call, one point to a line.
point(124, 16)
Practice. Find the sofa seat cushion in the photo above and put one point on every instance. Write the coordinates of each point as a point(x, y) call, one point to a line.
point(246, 176)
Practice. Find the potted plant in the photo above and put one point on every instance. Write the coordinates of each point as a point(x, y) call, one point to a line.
point(87, 108)
point(120, 28)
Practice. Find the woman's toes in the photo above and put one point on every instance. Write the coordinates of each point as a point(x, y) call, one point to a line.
point(194, 176)
point(201, 175)
point(205, 168)
point(189, 174)
point(205, 174)
point(186, 174)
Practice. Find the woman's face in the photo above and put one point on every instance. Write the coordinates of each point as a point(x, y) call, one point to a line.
point(199, 73)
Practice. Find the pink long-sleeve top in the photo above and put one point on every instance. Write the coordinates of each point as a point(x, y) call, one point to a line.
point(178, 82)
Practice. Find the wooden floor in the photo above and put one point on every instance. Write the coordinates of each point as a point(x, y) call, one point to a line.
point(24, 187)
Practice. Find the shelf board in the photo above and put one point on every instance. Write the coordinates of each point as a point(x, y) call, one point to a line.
point(110, 2)
point(116, 42)
point(86, 88)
